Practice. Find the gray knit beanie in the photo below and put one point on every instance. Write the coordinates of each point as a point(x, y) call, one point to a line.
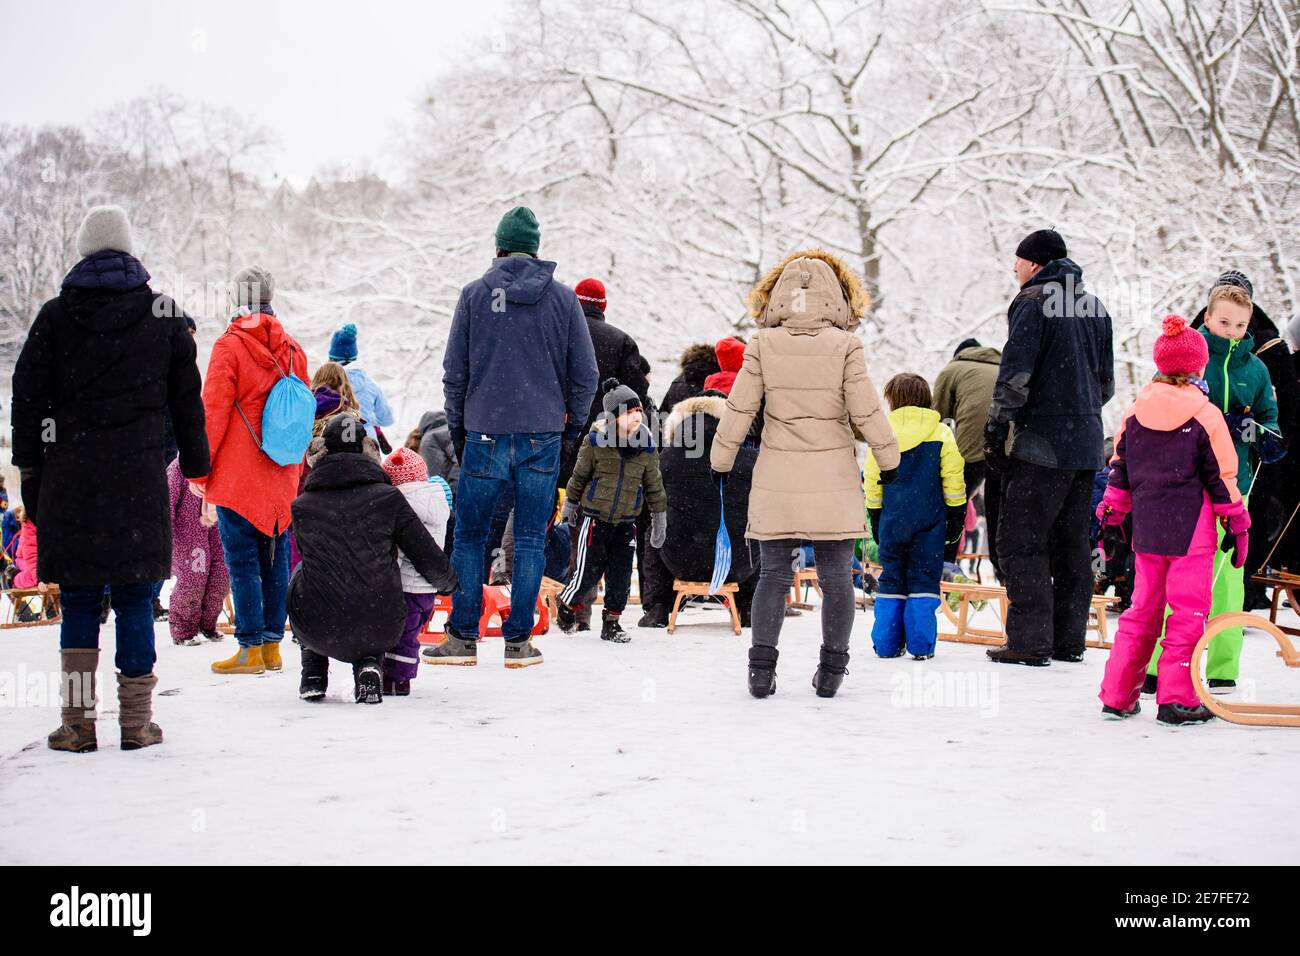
point(253, 286)
point(105, 227)
point(618, 397)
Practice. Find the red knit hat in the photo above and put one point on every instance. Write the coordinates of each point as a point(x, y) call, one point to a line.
point(404, 465)
point(1180, 350)
point(591, 290)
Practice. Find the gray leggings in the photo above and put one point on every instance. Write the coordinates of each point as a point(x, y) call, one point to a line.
point(835, 576)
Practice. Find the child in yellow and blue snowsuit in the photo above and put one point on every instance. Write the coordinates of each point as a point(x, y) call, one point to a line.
point(916, 520)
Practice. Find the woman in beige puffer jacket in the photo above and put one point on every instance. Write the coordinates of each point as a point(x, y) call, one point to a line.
point(808, 365)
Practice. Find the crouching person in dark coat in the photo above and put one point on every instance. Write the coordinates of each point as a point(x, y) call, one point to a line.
point(693, 511)
point(103, 364)
point(345, 598)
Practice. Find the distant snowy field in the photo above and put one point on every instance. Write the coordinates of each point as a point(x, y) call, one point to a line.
point(649, 752)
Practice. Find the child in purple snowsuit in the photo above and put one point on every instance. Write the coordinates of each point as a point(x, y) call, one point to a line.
point(198, 563)
point(410, 475)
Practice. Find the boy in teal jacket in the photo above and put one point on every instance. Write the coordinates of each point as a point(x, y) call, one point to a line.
point(1238, 384)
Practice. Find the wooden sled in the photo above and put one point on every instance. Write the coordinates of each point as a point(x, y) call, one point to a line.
point(685, 589)
point(1282, 582)
point(226, 623)
point(18, 597)
point(804, 579)
point(1257, 715)
point(966, 632)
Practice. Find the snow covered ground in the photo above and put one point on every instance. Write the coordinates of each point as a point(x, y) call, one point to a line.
point(648, 752)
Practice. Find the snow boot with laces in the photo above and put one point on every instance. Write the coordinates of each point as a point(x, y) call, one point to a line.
point(369, 683)
point(611, 631)
point(830, 672)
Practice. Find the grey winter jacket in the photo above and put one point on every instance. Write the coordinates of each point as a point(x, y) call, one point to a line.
point(436, 448)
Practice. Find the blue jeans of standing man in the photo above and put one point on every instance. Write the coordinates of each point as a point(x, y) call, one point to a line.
point(133, 606)
point(259, 578)
point(529, 462)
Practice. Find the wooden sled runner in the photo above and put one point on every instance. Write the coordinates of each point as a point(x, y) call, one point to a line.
point(966, 632)
point(685, 589)
point(1258, 715)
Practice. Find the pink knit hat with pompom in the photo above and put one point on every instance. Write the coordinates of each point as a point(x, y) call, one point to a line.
point(1180, 350)
point(404, 465)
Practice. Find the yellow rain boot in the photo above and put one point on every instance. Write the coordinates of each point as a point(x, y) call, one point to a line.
point(271, 656)
point(247, 661)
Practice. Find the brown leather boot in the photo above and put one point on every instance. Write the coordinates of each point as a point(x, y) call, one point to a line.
point(135, 710)
point(77, 694)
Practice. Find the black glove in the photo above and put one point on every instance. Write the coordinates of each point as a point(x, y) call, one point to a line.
point(887, 476)
point(873, 516)
point(954, 524)
point(31, 490)
point(1242, 426)
point(1112, 541)
point(1271, 448)
point(995, 445)
point(458, 444)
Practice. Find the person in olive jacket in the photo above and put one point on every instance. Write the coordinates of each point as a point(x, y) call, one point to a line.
point(104, 363)
point(345, 598)
point(616, 473)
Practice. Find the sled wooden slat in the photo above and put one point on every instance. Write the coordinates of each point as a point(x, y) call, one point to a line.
point(548, 592)
point(685, 589)
point(227, 626)
point(1282, 583)
point(804, 578)
point(1257, 715)
point(20, 596)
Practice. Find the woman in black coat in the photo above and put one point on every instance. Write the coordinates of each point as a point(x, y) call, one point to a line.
point(345, 598)
point(693, 511)
point(103, 364)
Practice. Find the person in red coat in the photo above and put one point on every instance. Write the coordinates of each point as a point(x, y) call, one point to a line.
point(731, 355)
point(251, 493)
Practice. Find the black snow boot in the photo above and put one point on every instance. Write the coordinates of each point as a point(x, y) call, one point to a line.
point(564, 617)
point(1114, 713)
point(1005, 655)
point(830, 672)
point(611, 631)
point(159, 612)
point(315, 676)
point(653, 617)
point(762, 670)
point(368, 687)
point(396, 688)
point(1149, 686)
point(1172, 715)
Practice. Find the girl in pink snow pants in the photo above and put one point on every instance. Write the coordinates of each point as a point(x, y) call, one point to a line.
point(1175, 470)
point(198, 563)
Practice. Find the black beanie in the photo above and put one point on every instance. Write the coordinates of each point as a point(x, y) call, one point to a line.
point(344, 433)
point(968, 344)
point(1238, 278)
point(1042, 246)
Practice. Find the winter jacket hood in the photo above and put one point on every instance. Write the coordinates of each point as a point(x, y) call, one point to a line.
point(979, 353)
point(809, 289)
point(344, 470)
point(262, 335)
point(1163, 407)
point(913, 425)
point(708, 405)
point(522, 278)
point(963, 392)
point(699, 354)
point(434, 419)
point(108, 271)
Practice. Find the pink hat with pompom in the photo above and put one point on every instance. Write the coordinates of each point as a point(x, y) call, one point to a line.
point(1180, 350)
point(404, 465)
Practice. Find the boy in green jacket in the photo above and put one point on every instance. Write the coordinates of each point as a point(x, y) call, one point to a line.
point(616, 473)
point(1238, 384)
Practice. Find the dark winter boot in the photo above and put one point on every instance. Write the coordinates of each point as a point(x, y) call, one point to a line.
point(582, 614)
point(396, 688)
point(1068, 657)
point(77, 691)
point(830, 672)
point(315, 676)
point(1114, 713)
point(762, 670)
point(454, 650)
point(1174, 715)
point(135, 711)
point(654, 617)
point(1218, 685)
point(159, 612)
point(564, 617)
point(522, 654)
point(1005, 655)
point(367, 683)
point(611, 631)
point(1149, 686)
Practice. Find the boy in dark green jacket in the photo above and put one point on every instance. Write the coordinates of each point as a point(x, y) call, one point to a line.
point(616, 473)
point(1238, 383)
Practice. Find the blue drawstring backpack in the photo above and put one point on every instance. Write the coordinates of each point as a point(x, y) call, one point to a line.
point(287, 418)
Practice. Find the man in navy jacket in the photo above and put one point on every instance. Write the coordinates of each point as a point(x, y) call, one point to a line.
point(519, 374)
point(1057, 372)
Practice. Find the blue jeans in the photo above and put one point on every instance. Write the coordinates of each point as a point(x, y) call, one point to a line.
point(530, 464)
point(133, 605)
point(259, 578)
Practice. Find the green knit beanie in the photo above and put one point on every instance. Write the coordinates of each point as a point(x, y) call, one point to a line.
point(518, 231)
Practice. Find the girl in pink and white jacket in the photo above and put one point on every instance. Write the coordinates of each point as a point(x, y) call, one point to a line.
point(1175, 470)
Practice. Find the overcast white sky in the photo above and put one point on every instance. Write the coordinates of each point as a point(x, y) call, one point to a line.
point(331, 78)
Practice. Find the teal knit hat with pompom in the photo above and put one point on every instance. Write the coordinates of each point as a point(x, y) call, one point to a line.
point(343, 345)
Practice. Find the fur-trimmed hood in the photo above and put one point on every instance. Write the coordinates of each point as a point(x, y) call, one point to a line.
point(808, 289)
point(701, 352)
point(710, 405)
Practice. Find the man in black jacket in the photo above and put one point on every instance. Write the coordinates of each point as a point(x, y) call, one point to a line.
point(1057, 372)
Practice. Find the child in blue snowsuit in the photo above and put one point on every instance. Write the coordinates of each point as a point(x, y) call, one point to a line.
point(916, 520)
